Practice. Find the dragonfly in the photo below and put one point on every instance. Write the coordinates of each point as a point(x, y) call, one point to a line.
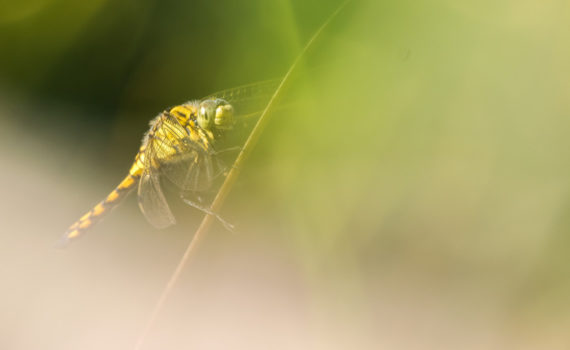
point(182, 146)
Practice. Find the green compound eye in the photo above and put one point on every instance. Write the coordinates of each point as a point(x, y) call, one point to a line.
point(206, 114)
point(218, 113)
point(224, 118)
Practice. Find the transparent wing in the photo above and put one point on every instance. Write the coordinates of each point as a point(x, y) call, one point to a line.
point(248, 99)
point(152, 201)
point(193, 171)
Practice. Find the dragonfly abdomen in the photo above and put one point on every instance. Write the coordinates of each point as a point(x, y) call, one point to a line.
point(111, 201)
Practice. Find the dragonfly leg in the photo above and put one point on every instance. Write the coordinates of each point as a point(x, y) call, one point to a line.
point(225, 171)
point(229, 149)
point(226, 224)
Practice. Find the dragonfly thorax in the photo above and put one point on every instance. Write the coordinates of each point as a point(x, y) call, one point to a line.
point(215, 113)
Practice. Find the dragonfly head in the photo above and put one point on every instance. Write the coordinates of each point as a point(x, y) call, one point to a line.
point(215, 113)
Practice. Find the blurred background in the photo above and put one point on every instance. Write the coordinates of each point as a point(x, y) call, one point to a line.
point(414, 195)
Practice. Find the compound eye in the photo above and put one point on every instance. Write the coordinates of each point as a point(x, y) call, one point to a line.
point(224, 118)
point(206, 114)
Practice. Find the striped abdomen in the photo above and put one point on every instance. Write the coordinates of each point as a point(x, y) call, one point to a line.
point(103, 207)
